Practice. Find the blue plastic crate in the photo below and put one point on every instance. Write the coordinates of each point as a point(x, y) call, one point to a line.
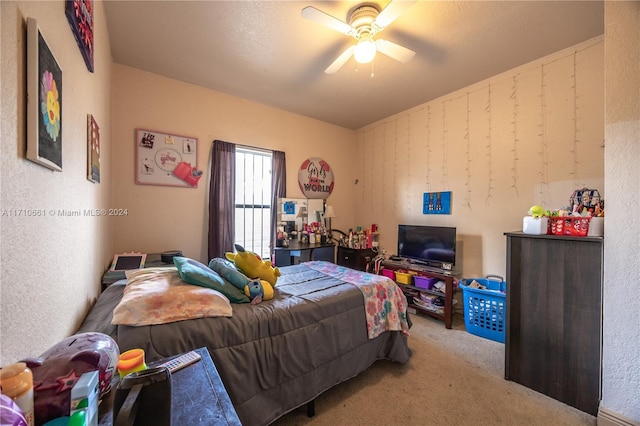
point(485, 311)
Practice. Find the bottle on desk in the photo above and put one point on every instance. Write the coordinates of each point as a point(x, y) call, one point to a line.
point(16, 382)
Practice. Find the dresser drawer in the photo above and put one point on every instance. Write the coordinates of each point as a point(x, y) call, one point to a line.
point(355, 258)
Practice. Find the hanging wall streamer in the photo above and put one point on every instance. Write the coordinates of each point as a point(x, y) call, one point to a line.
point(395, 159)
point(376, 153)
point(576, 140)
point(428, 148)
point(361, 153)
point(445, 177)
point(384, 155)
point(544, 147)
point(408, 194)
point(489, 157)
point(375, 189)
point(516, 141)
point(467, 139)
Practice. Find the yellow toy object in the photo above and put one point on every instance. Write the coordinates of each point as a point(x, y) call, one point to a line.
point(253, 266)
point(536, 211)
point(258, 290)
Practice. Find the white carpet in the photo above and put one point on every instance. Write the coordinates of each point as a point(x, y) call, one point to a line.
point(453, 378)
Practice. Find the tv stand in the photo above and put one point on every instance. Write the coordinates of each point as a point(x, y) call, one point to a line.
point(446, 276)
point(415, 265)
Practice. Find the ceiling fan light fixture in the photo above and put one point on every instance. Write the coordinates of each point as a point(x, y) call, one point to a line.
point(365, 51)
point(365, 21)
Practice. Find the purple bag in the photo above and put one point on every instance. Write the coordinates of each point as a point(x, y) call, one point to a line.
point(10, 413)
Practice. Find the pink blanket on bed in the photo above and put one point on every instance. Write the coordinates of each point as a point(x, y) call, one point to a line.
point(385, 303)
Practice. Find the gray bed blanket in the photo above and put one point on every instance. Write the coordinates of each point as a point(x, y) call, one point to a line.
point(275, 356)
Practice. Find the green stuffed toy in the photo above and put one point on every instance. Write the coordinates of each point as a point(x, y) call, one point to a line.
point(255, 268)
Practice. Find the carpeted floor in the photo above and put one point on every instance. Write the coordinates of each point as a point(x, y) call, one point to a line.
point(453, 378)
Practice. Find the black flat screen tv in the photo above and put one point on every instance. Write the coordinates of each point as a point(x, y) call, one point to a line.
point(432, 245)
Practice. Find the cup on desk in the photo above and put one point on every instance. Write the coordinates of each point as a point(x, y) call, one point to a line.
point(131, 361)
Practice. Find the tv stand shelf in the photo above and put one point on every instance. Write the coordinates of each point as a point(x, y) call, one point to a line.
point(446, 276)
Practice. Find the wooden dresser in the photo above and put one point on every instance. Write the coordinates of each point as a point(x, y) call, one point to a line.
point(360, 259)
point(554, 316)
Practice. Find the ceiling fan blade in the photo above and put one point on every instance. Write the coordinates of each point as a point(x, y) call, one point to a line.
point(394, 51)
point(390, 13)
point(327, 20)
point(340, 61)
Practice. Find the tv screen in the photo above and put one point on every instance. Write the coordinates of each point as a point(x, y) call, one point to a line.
point(433, 245)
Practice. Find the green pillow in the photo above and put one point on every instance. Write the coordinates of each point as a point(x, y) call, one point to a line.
point(196, 273)
point(229, 272)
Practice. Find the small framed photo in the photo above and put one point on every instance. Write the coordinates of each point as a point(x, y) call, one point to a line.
point(44, 101)
point(436, 202)
point(128, 261)
point(93, 150)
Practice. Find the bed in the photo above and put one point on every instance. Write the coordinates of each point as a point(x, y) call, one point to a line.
point(325, 324)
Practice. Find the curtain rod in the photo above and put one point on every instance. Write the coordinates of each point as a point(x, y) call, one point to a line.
point(253, 148)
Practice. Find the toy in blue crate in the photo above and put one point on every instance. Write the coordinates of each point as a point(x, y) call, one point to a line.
point(485, 306)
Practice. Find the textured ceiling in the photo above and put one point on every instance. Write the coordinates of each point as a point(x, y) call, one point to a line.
point(265, 51)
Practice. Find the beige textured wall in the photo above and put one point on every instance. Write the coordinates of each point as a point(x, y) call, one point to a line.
point(50, 265)
point(44, 297)
point(620, 373)
point(500, 146)
point(162, 218)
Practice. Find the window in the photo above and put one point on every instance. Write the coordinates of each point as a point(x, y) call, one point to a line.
point(253, 200)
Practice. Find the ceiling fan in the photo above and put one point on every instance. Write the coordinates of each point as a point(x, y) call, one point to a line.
point(365, 21)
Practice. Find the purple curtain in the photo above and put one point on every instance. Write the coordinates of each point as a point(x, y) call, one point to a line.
point(278, 189)
point(222, 189)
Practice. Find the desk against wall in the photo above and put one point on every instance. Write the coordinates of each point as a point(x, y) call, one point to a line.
point(302, 252)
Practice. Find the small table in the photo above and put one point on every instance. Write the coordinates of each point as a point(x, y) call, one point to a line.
point(198, 396)
point(302, 252)
point(153, 260)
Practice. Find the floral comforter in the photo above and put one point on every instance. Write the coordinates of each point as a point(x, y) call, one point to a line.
point(385, 303)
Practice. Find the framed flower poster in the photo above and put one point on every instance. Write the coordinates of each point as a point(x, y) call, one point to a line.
point(93, 150)
point(44, 101)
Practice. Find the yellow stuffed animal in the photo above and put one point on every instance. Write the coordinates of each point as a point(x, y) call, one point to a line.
point(253, 266)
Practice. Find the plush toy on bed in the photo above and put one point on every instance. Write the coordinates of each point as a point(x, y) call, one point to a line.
point(263, 276)
point(253, 266)
point(258, 290)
